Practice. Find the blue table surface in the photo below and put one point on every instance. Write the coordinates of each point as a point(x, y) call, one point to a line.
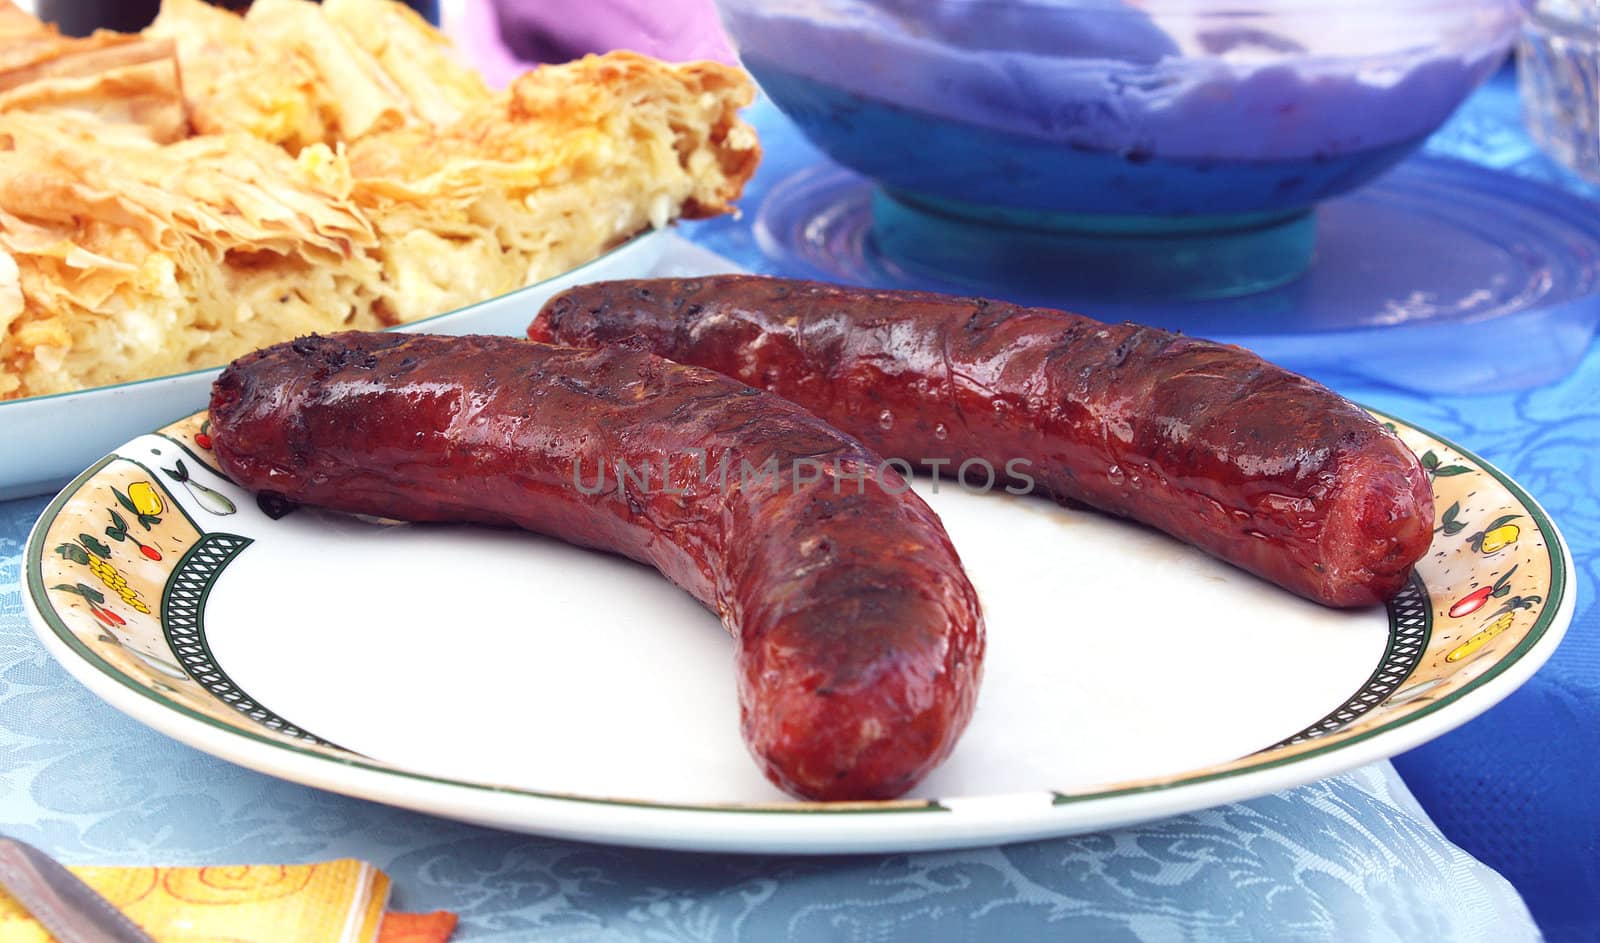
point(1348, 858)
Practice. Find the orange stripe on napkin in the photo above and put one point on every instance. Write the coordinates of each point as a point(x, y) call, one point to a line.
point(417, 928)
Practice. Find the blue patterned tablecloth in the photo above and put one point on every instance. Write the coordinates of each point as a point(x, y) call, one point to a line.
point(1352, 857)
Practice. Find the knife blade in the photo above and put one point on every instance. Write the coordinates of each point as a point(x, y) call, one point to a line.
point(71, 910)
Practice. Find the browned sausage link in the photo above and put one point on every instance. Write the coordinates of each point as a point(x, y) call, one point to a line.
point(1208, 442)
point(860, 639)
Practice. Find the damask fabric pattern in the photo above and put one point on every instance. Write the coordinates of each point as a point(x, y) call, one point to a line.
point(1349, 858)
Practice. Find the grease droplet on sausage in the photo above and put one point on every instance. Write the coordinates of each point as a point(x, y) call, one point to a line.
point(886, 420)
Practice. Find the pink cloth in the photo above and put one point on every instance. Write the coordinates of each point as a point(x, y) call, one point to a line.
point(503, 38)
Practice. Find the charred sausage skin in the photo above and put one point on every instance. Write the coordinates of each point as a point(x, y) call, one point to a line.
point(1208, 442)
point(860, 640)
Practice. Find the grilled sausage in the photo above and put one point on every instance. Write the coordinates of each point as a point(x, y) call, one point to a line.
point(1243, 459)
point(859, 637)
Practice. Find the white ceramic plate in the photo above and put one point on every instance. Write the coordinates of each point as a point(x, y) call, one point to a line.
point(40, 456)
point(502, 678)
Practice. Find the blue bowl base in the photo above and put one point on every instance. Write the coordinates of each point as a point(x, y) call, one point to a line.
point(1087, 256)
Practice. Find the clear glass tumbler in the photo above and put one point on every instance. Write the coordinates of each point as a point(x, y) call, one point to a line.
point(1559, 71)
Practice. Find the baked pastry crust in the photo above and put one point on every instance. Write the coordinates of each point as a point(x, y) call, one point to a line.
point(133, 247)
point(116, 78)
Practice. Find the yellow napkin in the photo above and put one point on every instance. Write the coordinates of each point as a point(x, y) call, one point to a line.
point(332, 902)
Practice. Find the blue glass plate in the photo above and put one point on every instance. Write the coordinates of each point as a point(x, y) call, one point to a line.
point(1443, 276)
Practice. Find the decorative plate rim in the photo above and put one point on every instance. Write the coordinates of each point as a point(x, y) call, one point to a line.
point(353, 774)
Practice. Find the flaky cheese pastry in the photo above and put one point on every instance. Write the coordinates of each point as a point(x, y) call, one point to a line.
point(569, 161)
point(266, 94)
point(298, 73)
point(346, 173)
point(121, 258)
point(420, 64)
point(112, 77)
